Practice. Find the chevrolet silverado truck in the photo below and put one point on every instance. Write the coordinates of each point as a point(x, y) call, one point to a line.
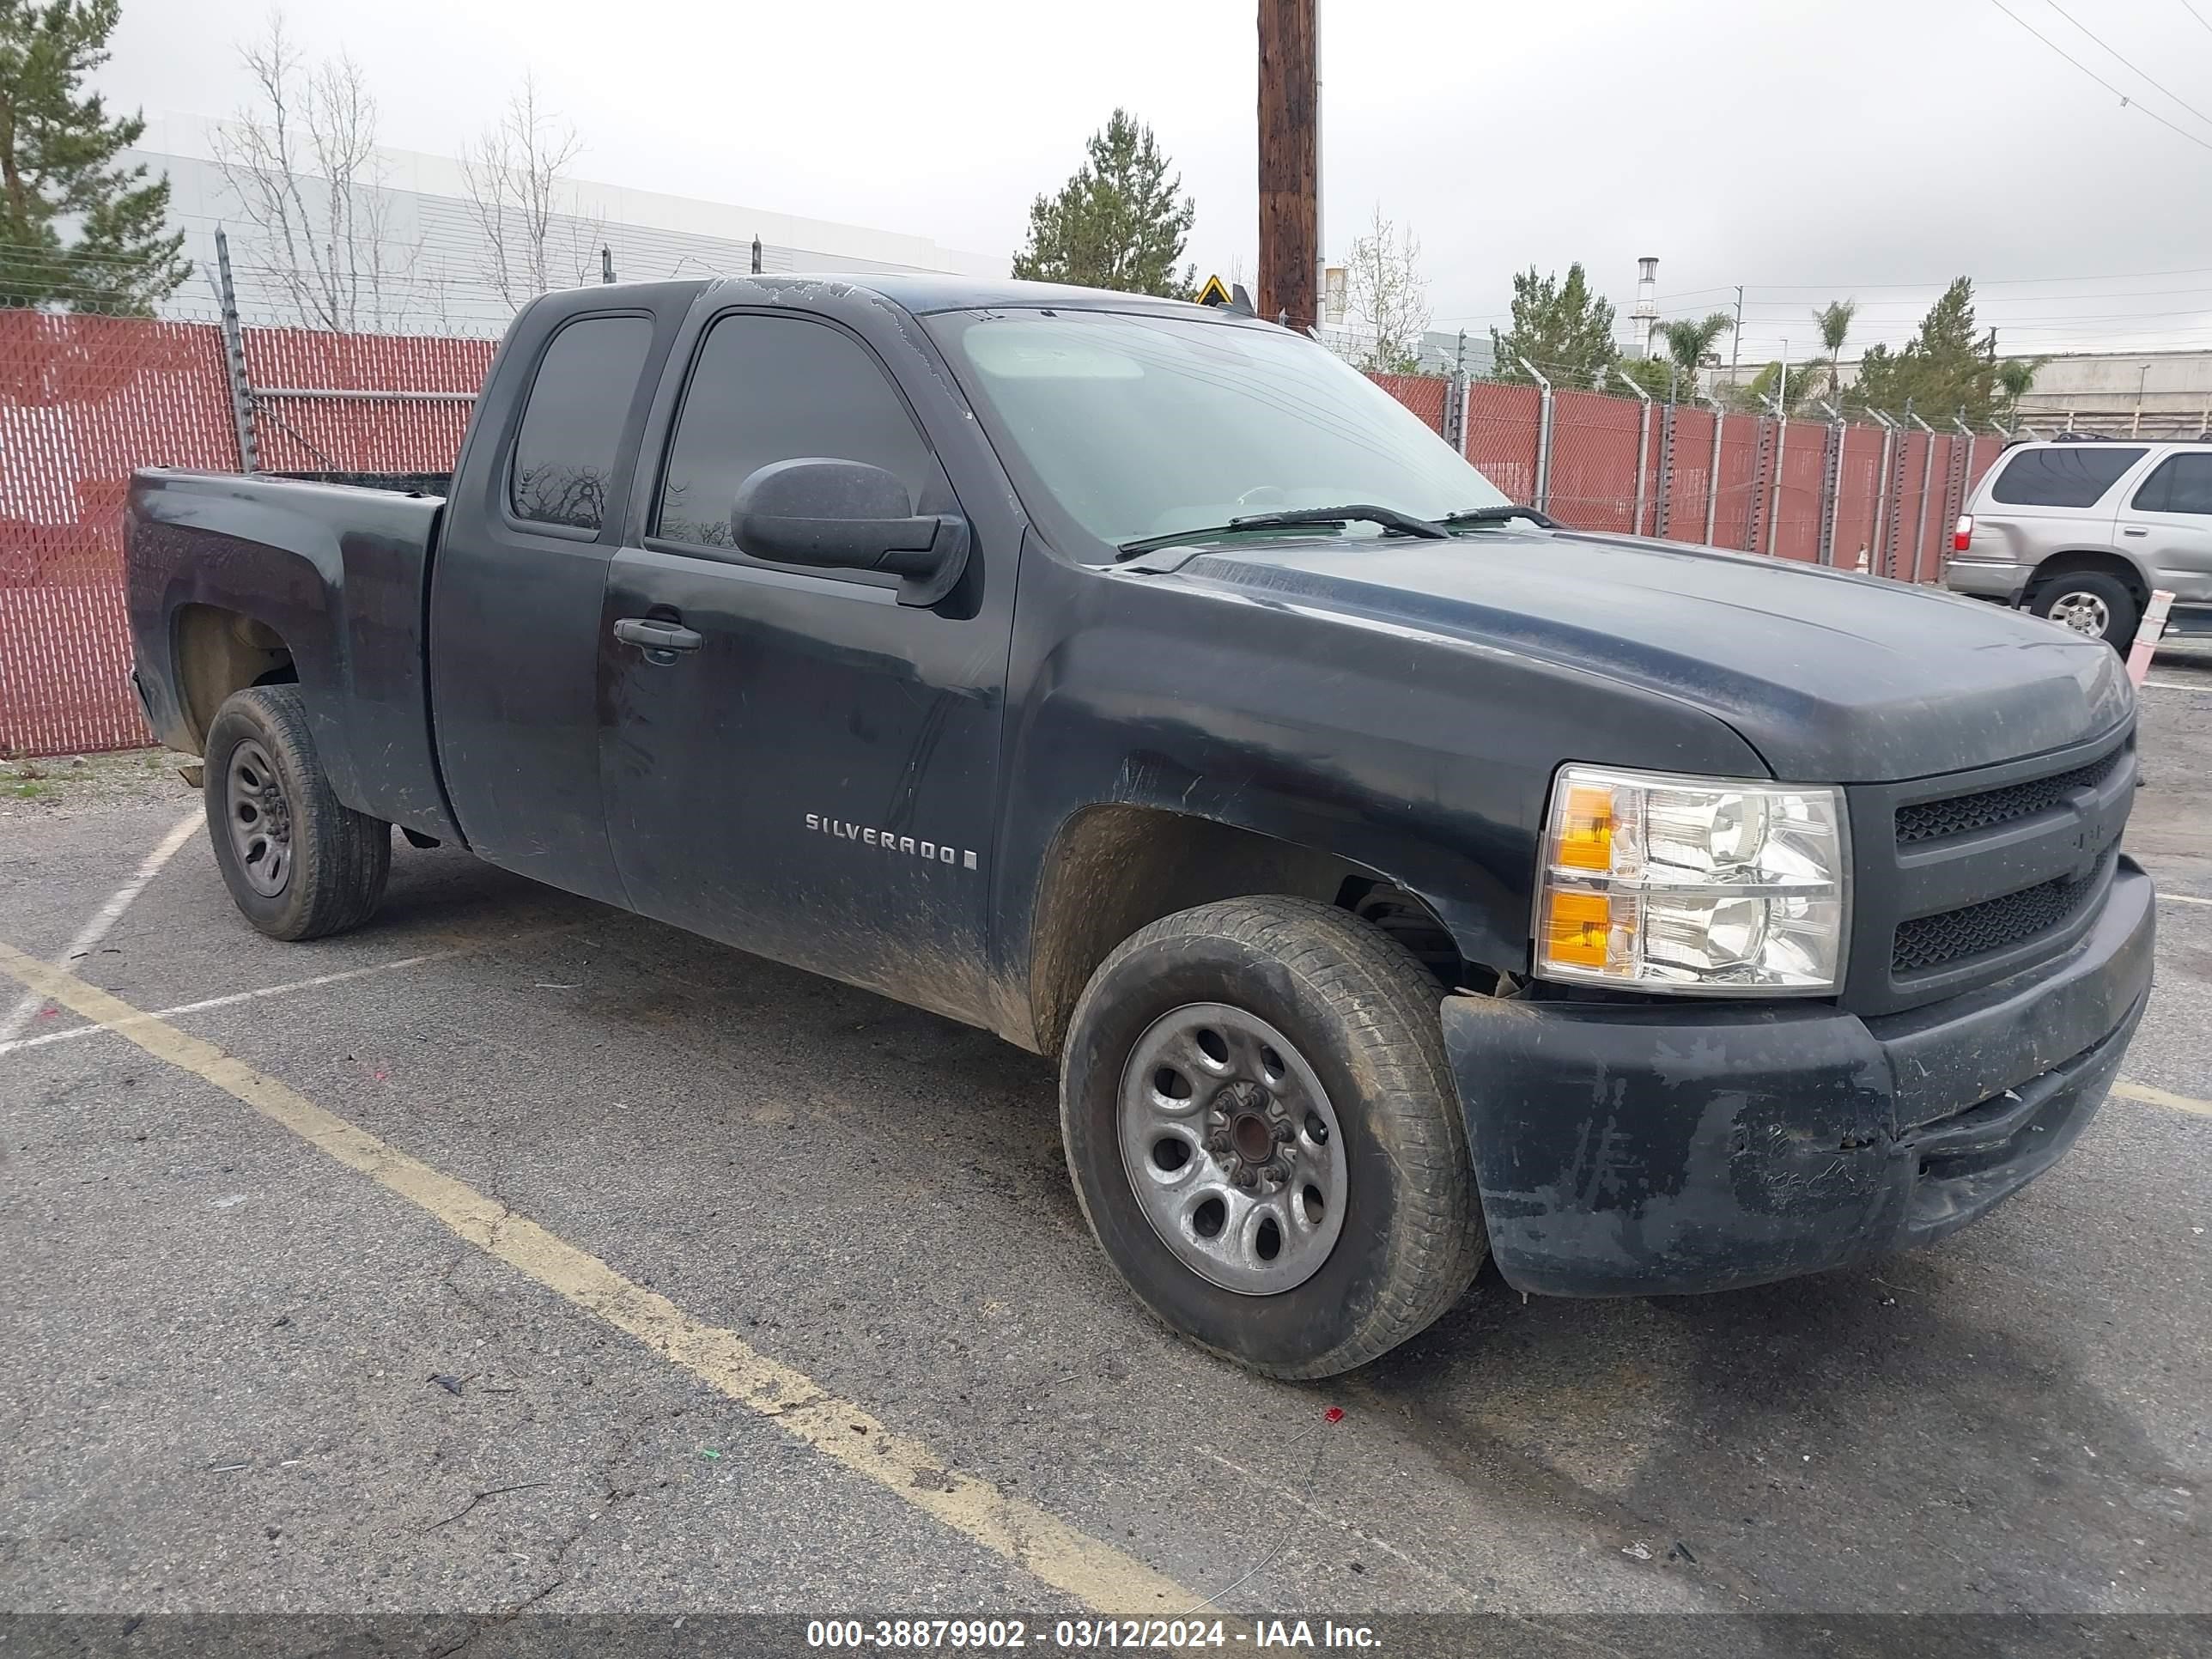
point(1400, 879)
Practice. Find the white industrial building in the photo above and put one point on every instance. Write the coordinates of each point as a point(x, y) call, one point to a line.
point(426, 265)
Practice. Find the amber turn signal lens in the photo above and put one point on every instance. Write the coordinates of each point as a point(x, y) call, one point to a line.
point(1586, 837)
point(1576, 925)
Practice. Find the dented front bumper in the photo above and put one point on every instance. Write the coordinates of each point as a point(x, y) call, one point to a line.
point(1648, 1149)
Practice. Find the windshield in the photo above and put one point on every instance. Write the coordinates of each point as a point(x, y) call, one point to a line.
point(1143, 426)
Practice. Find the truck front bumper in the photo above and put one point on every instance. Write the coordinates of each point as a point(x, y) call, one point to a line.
point(1652, 1149)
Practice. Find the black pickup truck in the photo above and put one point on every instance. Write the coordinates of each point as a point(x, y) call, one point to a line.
point(1400, 878)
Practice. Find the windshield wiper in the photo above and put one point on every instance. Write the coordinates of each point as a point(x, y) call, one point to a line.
point(1500, 515)
point(1390, 517)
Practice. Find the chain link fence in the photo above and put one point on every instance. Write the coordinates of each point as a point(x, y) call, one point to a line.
point(1861, 497)
point(86, 399)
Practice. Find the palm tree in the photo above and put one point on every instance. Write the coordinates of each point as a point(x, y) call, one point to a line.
point(2016, 377)
point(1690, 341)
point(1833, 321)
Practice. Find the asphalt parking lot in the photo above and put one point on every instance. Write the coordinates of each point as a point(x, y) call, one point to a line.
point(515, 1253)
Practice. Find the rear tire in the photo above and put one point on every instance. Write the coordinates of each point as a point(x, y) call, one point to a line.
point(2092, 602)
point(1210, 1030)
point(300, 864)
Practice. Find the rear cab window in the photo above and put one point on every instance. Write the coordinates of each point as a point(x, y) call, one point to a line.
point(2078, 475)
point(570, 438)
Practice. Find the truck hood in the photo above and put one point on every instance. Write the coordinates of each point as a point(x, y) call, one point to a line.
point(1831, 676)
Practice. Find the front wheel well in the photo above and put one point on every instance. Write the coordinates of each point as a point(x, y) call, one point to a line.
point(219, 652)
point(1114, 869)
point(2061, 565)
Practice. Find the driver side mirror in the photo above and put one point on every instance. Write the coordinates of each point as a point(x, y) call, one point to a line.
point(847, 515)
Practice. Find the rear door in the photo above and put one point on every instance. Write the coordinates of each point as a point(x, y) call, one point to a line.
point(516, 593)
point(811, 771)
point(2167, 525)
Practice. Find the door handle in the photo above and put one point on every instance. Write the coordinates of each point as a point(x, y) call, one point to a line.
point(2133, 530)
point(656, 636)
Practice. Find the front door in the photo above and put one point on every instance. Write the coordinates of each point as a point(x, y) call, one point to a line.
point(2168, 523)
point(793, 762)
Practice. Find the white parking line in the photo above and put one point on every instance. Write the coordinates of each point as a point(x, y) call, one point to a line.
point(77, 1031)
point(2178, 686)
point(2184, 898)
point(104, 918)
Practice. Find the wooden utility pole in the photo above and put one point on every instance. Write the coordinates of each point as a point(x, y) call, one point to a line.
point(1290, 164)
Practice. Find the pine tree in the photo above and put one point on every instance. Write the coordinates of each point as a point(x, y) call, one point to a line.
point(78, 231)
point(1118, 223)
point(1561, 327)
point(1943, 368)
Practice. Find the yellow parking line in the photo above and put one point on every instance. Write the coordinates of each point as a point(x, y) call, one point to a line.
point(2127, 1089)
point(1062, 1556)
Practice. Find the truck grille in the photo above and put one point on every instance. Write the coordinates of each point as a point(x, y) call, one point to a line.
point(1934, 820)
point(1974, 930)
point(1963, 879)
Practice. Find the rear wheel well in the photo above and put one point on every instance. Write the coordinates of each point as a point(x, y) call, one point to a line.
point(218, 652)
point(1114, 869)
point(2061, 565)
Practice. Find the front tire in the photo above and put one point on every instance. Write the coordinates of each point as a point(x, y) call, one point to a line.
point(300, 864)
point(1263, 1133)
point(2093, 604)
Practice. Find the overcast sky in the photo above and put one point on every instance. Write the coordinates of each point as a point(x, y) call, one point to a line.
point(1811, 149)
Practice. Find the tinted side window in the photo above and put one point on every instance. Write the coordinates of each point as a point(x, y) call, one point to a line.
point(564, 455)
point(770, 389)
point(2182, 484)
point(2076, 476)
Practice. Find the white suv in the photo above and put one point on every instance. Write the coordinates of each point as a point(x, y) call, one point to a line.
point(2083, 531)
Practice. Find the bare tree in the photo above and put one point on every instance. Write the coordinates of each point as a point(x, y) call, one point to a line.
point(302, 163)
point(1383, 284)
point(516, 174)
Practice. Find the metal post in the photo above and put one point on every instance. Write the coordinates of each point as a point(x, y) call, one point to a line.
point(1781, 451)
point(1832, 484)
point(1643, 447)
point(1927, 488)
point(1543, 485)
point(1465, 394)
point(1713, 469)
point(606, 264)
point(1662, 510)
point(756, 255)
point(234, 353)
point(1885, 516)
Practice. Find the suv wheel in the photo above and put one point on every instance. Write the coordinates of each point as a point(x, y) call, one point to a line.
point(1264, 1135)
point(2091, 603)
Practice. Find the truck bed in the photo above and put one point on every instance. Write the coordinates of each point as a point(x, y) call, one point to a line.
point(320, 579)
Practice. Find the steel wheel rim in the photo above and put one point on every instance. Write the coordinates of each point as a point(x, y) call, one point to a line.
point(260, 819)
point(2085, 613)
point(1232, 1149)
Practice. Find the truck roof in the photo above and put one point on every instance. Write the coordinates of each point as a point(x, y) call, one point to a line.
point(923, 292)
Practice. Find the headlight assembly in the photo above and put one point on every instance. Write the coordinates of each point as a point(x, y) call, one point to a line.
point(1709, 885)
